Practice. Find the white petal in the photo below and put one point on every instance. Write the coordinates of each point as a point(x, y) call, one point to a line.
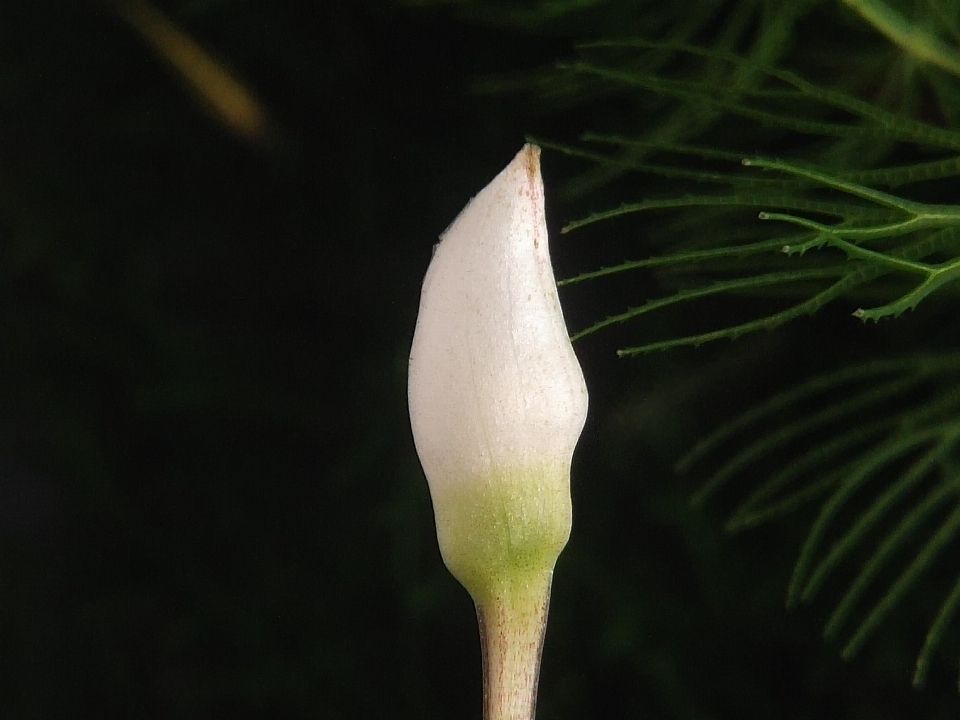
point(494, 384)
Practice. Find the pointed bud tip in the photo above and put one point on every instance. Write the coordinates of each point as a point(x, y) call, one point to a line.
point(524, 175)
point(530, 157)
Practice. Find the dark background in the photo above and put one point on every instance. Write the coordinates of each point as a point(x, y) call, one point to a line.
point(210, 505)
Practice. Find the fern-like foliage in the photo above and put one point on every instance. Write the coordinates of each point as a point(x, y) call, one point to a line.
point(822, 184)
point(832, 204)
point(843, 217)
point(878, 445)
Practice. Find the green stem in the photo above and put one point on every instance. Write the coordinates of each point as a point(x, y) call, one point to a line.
point(915, 40)
point(512, 625)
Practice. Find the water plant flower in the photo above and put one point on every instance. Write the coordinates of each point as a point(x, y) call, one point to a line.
point(497, 404)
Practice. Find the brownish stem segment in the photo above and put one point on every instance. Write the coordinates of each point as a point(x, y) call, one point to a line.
point(512, 626)
point(229, 99)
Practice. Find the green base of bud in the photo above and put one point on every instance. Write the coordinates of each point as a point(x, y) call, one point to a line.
point(500, 537)
point(497, 530)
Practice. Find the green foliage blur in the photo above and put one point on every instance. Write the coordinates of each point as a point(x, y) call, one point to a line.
point(210, 505)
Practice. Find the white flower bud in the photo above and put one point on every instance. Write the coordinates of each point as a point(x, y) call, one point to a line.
point(497, 404)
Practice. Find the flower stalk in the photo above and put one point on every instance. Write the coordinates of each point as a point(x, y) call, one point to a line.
point(512, 628)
